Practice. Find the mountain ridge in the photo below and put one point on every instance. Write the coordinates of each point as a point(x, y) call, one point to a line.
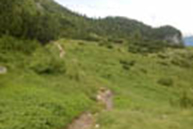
point(47, 20)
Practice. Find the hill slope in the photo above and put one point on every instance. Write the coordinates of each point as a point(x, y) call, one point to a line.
point(46, 20)
point(44, 91)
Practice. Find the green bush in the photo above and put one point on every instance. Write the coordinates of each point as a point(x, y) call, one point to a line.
point(10, 44)
point(162, 56)
point(146, 46)
point(15, 53)
point(186, 100)
point(181, 62)
point(107, 44)
point(117, 41)
point(47, 62)
point(166, 82)
point(49, 66)
point(140, 44)
point(127, 64)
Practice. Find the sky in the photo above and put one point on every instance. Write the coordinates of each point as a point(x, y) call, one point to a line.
point(178, 13)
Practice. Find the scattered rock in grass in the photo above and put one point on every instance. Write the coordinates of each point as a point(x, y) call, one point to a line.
point(105, 97)
point(97, 126)
point(3, 70)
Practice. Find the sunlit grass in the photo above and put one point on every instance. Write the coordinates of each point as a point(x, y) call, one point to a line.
point(49, 98)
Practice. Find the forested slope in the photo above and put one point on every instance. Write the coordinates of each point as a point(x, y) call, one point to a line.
point(46, 20)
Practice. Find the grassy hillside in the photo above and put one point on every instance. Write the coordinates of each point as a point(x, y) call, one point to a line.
point(43, 91)
point(50, 77)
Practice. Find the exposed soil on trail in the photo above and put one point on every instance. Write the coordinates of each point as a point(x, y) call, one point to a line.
point(61, 49)
point(85, 121)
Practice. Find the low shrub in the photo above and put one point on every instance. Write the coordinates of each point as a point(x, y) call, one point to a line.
point(186, 100)
point(10, 44)
point(166, 82)
point(143, 70)
point(117, 41)
point(106, 44)
point(127, 64)
point(162, 56)
point(184, 63)
point(46, 62)
point(163, 63)
point(49, 66)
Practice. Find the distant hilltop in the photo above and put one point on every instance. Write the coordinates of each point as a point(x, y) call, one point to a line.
point(46, 20)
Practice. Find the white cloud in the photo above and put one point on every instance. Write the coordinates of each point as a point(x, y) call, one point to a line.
point(178, 13)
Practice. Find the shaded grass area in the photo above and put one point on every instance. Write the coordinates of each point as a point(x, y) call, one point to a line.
point(43, 91)
point(146, 119)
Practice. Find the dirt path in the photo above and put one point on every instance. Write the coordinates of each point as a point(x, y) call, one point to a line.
point(85, 121)
point(61, 49)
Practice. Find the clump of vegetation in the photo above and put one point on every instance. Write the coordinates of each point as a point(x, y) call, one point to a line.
point(15, 52)
point(12, 45)
point(186, 100)
point(140, 44)
point(106, 44)
point(181, 61)
point(166, 82)
point(74, 71)
point(116, 41)
point(45, 61)
point(162, 56)
point(127, 65)
point(49, 66)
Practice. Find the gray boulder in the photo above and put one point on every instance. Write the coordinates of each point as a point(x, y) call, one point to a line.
point(3, 70)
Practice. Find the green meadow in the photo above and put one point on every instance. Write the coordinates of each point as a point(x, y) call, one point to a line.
point(43, 91)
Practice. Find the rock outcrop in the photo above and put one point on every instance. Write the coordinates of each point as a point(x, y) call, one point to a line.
point(170, 34)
